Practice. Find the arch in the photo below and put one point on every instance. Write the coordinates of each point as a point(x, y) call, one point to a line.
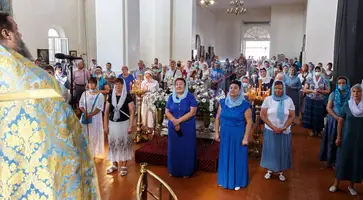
point(256, 42)
point(256, 33)
point(53, 33)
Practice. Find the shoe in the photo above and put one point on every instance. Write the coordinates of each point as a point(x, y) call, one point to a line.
point(282, 177)
point(268, 175)
point(333, 188)
point(123, 171)
point(312, 134)
point(111, 169)
point(237, 188)
point(352, 191)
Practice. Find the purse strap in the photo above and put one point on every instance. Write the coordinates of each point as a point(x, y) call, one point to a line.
point(94, 103)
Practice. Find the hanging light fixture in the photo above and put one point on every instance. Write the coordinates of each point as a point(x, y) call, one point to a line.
point(237, 7)
point(207, 2)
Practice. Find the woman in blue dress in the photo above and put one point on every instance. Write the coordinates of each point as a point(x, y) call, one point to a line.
point(278, 113)
point(293, 87)
point(349, 165)
point(233, 130)
point(341, 95)
point(180, 110)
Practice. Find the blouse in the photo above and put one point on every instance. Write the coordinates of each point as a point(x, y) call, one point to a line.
point(322, 84)
point(124, 109)
point(272, 106)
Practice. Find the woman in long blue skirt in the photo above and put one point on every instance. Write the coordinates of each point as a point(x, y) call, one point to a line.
point(233, 130)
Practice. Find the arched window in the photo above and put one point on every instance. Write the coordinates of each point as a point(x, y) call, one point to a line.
point(256, 42)
point(56, 44)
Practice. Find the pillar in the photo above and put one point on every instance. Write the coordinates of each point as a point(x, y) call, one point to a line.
point(320, 31)
point(183, 23)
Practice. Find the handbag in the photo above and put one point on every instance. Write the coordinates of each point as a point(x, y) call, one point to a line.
point(83, 117)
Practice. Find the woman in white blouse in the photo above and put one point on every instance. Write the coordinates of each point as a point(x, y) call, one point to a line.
point(149, 85)
point(278, 113)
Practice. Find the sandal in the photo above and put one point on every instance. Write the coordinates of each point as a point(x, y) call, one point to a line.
point(111, 169)
point(352, 191)
point(123, 171)
point(268, 175)
point(282, 177)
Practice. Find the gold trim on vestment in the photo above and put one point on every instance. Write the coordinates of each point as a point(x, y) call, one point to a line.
point(29, 94)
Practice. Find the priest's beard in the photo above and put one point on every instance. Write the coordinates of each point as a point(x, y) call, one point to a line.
point(23, 50)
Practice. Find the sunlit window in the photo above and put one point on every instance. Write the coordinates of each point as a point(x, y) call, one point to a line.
point(56, 44)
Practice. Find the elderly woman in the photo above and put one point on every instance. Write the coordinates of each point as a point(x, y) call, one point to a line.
point(180, 111)
point(278, 113)
point(149, 85)
point(102, 85)
point(233, 132)
point(293, 87)
point(316, 87)
point(118, 121)
point(91, 105)
point(341, 95)
point(349, 165)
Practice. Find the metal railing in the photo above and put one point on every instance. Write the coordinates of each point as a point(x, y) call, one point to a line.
point(142, 186)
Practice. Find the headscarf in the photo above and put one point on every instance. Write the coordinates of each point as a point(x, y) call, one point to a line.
point(117, 106)
point(316, 82)
point(267, 78)
point(148, 72)
point(281, 106)
point(218, 69)
point(238, 100)
point(339, 98)
point(102, 81)
point(357, 110)
point(175, 96)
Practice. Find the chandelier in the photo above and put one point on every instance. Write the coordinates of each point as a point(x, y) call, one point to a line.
point(207, 2)
point(237, 7)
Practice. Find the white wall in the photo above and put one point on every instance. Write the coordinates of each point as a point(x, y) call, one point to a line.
point(320, 30)
point(230, 30)
point(205, 26)
point(147, 31)
point(287, 30)
point(110, 25)
point(36, 17)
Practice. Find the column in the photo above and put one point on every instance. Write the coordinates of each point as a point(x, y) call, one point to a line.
point(320, 30)
point(110, 28)
point(147, 31)
point(132, 33)
point(183, 14)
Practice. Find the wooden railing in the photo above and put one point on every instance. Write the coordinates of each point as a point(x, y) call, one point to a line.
point(142, 191)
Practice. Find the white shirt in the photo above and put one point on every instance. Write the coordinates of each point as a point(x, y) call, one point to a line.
point(272, 106)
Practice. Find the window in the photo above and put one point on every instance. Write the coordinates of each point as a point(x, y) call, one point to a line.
point(56, 44)
point(256, 42)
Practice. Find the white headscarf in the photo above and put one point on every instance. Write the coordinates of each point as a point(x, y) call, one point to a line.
point(357, 110)
point(118, 106)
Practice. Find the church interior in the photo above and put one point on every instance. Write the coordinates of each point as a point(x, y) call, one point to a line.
point(176, 65)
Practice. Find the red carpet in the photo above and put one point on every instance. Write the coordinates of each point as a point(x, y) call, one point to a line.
point(155, 152)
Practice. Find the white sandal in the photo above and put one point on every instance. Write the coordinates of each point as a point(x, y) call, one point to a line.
point(111, 169)
point(268, 175)
point(282, 177)
point(123, 171)
point(352, 191)
point(333, 188)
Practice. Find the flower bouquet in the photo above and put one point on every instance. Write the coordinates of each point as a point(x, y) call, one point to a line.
point(196, 86)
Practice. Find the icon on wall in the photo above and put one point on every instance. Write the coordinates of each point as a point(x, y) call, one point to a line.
point(73, 53)
point(6, 6)
point(43, 55)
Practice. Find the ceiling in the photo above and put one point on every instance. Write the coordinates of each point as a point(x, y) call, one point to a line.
point(223, 4)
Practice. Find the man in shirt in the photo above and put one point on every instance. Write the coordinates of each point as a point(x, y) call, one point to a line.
point(80, 79)
point(141, 70)
point(172, 74)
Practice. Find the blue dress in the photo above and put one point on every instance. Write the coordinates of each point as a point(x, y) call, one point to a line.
point(293, 87)
point(182, 157)
point(233, 157)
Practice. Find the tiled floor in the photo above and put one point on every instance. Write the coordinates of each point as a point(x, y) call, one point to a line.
point(306, 180)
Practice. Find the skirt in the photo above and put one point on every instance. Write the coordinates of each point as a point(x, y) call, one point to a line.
point(302, 102)
point(328, 148)
point(314, 115)
point(119, 142)
point(276, 151)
